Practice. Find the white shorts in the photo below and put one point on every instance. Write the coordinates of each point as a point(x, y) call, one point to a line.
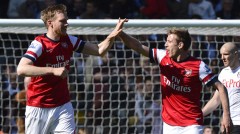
point(193, 129)
point(50, 120)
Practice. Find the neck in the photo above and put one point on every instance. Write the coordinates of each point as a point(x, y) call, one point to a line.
point(181, 57)
point(235, 66)
point(53, 36)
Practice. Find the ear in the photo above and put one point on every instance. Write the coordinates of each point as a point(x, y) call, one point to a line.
point(49, 23)
point(180, 45)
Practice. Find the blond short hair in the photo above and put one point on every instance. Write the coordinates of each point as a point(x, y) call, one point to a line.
point(50, 12)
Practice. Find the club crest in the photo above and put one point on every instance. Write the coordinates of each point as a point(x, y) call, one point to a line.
point(64, 44)
point(188, 72)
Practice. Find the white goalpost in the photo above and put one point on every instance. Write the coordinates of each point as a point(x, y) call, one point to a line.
point(107, 105)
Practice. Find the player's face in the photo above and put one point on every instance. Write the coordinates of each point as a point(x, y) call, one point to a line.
point(227, 57)
point(172, 46)
point(59, 24)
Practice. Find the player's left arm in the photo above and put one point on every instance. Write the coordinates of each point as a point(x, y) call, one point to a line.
point(223, 95)
point(105, 45)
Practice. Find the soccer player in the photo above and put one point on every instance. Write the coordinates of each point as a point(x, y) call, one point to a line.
point(181, 79)
point(230, 77)
point(47, 62)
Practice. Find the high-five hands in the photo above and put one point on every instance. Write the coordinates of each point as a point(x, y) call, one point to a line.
point(118, 28)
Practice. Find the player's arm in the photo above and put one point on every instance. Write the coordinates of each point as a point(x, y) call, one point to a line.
point(134, 44)
point(212, 104)
point(27, 69)
point(104, 46)
point(223, 95)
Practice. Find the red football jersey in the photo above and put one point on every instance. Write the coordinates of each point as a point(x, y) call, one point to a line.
point(49, 90)
point(181, 85)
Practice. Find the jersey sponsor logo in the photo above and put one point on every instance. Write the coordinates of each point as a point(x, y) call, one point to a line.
point(59, 64)
point(231, 83)
point(188, 72)
point(175, 84)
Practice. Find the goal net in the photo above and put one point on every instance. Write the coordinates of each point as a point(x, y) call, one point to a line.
point(105, 91)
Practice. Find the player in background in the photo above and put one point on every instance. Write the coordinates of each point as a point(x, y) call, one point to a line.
point(181, 79)
point(230, 78)
point(47, 62)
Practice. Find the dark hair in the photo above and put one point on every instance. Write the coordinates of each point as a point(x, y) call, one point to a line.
point(183, 36)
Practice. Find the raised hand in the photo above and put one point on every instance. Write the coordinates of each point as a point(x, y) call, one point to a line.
point(118, 28)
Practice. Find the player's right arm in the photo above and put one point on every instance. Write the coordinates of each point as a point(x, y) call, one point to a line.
point(134, 44)
point(27, 69)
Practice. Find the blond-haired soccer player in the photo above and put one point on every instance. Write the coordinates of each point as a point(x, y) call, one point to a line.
point(47, 62)
point(181, 79)
point(230, 77)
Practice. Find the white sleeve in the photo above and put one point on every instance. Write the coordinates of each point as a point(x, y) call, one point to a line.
point(205, 73)
point(34, 50)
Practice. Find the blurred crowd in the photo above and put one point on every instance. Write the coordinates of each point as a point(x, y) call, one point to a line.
point(132, 9)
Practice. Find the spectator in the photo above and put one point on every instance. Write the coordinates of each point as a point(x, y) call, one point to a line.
point(147, 107)
point(4, 8)
point(100, 90)
point(93, 11)
point(217, 5)
point(211, 46)
point(129, 73)
point(153, 9)
point(77, 9)
point(107, 98)
point(123, 9)
point(13, 8)
point(227, 11)
point(69, 4)
point(236, 9)
point(49, 2)
point(30, 9)
point(203, 8)
point(178, 9)
point(10, 110)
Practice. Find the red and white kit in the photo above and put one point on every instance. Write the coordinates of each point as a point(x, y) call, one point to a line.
point(48, 99)
point(181, 87)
